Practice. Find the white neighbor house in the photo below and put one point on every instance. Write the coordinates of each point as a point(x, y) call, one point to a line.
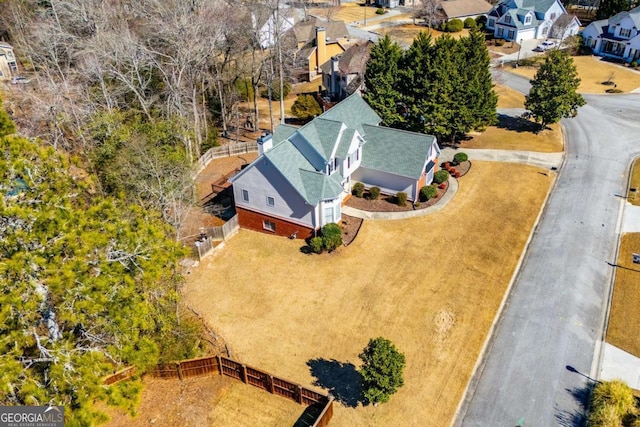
point(617, 37)
point(8, 63)
point(303, 175)
point(531, 19)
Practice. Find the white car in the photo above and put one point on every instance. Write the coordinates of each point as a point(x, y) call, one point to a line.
point(545, 45)
point(19, 80)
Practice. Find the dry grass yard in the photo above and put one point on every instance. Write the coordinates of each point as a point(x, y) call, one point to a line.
point(432, 285)
point(509, 98)
point(593, 72)
point(634, 196)
point(624, 318)
point(351, 13)
point(517, 134)
point(206, 401)
point(404, 34)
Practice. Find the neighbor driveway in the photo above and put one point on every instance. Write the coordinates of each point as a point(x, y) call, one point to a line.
point(554, 316)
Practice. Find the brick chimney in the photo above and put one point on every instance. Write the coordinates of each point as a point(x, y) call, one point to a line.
point(321, 43)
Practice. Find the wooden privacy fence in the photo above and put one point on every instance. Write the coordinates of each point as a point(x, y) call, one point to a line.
point(249, 375)
point(228, 229)
point(224, 151)
point(124, 374)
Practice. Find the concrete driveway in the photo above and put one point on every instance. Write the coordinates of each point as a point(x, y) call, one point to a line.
point(547, 341)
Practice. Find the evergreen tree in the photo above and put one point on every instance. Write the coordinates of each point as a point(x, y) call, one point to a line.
point(553, 90)
point(381, 370)
point(481, 100)
point(306, 107)
point(381, 80)
point(6, 125)
point(88, 286)
point(416, 83)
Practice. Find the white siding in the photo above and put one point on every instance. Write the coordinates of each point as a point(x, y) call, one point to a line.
point(263, 181)
point(388, 183)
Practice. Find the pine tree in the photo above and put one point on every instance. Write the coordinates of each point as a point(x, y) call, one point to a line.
point(88, 286)
point(306, 107)
point(553, 90)
point(415, 83)
point(608, 8)
point(381, 81)
point(481, 99)
point(382, 366)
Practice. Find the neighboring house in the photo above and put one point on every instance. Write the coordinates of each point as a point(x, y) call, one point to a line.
point(343, 75)
point(463, 9)
point(616, 37)
point(8, 63)
point(317, 42)
point(273, 25)
point(530, 19)
point(388, 3)
point(304, 175)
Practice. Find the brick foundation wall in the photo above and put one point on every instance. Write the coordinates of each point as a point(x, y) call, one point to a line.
point(253, 221)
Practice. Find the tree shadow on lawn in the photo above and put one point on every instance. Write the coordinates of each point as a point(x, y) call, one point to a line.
point(341, 379)
point(518, 124)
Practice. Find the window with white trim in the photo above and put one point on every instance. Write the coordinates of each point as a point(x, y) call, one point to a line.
point(245, 195)
point(625, 32)
point(527, 19)
point(553, 16)
point(268, 225)
point(507, 19)
point(491, 22)
point(271, 202)
point(511, 34)
point(500, 30)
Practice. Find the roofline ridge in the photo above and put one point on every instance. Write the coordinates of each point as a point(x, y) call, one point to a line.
point(399, 130)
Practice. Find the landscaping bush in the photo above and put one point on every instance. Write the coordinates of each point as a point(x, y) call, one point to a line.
point(428, 192)
point(500, 42)
point(459, 158)
point(481, 22)
point(382, 370)
point(440, 176)
point(374, 193)
point(358, 189)
point(316, 244)
point(275, 90)
point(634, 64)
point(401, 198)
point(306, 107)
point(469, 23)
point(454, 26)
point(331, 236)
point(379, 11)
point(616, 394)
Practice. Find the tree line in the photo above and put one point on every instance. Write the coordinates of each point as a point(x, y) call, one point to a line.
point(439, 86)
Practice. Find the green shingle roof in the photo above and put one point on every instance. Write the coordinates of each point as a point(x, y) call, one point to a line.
point(312, 185)
point(396, 151)
point(345, 142)
point(283, 132)
point(353, 112)
point(322, 134)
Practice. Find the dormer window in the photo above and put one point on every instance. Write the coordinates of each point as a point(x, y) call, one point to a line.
point(507, 19)
point(625, 32)
point(527, 19)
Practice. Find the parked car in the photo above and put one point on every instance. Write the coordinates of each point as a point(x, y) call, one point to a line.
point(545, 45)
point(19, 80)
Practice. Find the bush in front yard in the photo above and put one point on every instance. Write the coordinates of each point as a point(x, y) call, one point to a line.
point(316, 244)
point(460, 157)
point(469, 23)
point(374, 193)
point(380, 11)
point(401, 198)
point(428, 192)
point(331, 236)
point(440, 176)
point(454, 26)
point(358, 189)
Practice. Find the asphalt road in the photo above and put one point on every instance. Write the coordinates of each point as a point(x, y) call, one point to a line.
point(554, 316)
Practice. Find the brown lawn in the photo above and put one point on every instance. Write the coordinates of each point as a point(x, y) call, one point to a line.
point(206, 401)
point(517, 134)
point(351, 13)
point(634, 182)
point(593, 72)
point(432, 285)
point(407, 32)
point(509, 98)
point(624, 317)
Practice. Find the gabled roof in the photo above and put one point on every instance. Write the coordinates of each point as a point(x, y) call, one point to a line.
point(305, 31)
point(283, 131)
point(353, 112)
point(517, 19)
point(634, 14)
point(322, 134)
point(312, 185)
point(353, 60)
point(458, 8)
point(538, 6)
point(396, 151)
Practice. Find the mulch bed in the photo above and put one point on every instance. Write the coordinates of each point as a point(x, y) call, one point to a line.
point(350, 227)
point(387, 203)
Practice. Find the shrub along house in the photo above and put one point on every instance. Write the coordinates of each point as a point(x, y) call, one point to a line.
point(303, 175)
